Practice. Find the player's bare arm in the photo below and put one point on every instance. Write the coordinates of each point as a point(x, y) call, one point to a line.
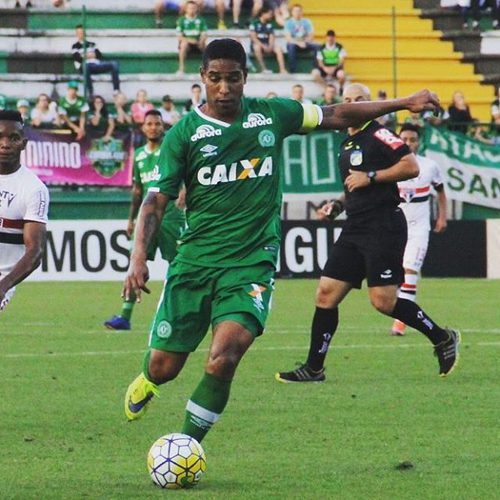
point(148, 222)
point(441, 221)
point(135, 205)
point(34, 235)
point(341, 116)
point(406, 168)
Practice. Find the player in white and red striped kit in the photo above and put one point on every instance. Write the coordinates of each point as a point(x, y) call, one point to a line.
point(24, 202)
point(415, 195)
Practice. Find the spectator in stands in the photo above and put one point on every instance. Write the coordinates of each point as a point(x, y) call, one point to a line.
point(178, 6)
point(140, 107)
point(44, 114)
point(99, 119)
point(460, 115)
point(169, 114)
point(254, 6)
point(415, 119)
point(191, 33)
point(298, 94)
point(330, 96)
point(122, 115)
point(299, 34)
point(23, 106)
point(94, 63)
point(435, 118)
point(3, 102)
point(330, 60)
point(263, 40)
point(281, 11)
point(73, 110)
point(28, 4)
point(271, 95)
point(389, 120)
point(195, 101)
point(495, 6)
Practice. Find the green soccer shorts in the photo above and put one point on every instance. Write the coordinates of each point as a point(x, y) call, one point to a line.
point(195, 297)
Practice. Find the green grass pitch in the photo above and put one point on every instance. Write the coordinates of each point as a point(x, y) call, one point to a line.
point(63, 434)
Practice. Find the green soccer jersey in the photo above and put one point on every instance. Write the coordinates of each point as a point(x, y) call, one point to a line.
point(73, 108)
point(233, 180)
point(191, 28)
point(146, 174)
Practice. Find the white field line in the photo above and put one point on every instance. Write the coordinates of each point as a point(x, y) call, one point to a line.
point(253, 349)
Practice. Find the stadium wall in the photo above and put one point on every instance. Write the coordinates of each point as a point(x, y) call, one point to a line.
point(97, 250)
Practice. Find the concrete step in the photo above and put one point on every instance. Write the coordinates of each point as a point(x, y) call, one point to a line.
point(258, 85)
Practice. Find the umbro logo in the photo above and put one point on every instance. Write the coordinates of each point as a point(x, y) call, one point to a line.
point(386, 274)
point(208, 150)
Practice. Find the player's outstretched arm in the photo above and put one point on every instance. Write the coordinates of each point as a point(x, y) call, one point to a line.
point(34, 234)
point(148, 222)
point(341, 116)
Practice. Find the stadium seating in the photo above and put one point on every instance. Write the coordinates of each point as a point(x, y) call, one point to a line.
point(423, 58)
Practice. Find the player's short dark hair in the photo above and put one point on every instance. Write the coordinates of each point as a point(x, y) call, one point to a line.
point(78, 26)
point(152, 112)
point(410, 127)
point(11, 116)
point(195, 86)
point(225, 48)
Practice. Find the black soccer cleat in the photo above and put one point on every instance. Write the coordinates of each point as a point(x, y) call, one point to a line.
point(301, 374)
point(447, 352)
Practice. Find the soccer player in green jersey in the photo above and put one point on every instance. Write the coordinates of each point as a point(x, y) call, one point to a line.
point(145, 174)
point(227, 153)
point(191, 33)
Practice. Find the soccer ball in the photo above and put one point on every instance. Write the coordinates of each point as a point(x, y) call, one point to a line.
point(176, 461)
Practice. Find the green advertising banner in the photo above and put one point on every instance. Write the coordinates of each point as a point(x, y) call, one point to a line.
point(470, 168)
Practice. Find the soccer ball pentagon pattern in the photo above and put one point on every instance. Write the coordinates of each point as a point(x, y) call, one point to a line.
point(176, 461)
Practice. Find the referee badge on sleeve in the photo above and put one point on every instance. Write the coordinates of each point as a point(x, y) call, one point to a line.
point(356, 158)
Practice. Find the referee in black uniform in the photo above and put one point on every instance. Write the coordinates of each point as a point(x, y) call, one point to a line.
point(372, 160)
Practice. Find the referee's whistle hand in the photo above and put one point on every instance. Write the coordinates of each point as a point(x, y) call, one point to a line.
point(356, 180)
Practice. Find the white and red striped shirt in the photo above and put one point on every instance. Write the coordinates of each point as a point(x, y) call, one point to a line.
point(23, 198)
point(415, 193)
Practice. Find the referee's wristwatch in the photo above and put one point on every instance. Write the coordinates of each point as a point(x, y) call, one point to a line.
point(372, 176)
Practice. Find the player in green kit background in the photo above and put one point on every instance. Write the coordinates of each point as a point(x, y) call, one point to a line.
point(145, 174)
point(226, 153)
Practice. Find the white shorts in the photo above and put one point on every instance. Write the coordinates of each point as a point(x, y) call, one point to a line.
point(7, 298)
point(416, 250)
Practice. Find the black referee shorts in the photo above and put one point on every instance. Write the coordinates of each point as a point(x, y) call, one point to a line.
point(370, 246)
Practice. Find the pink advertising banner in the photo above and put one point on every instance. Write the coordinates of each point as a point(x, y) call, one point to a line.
point(57, 158)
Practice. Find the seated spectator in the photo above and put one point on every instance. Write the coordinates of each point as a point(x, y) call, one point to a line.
point(178, 6)
point(415, 119)
point(99, 120)
point(298, 94)
point(299, 36)
point(460, 116)
point(263, 40)
point(390, 119)
point(169, 114)
point(122, 116)
point(140, 107)
point(23, 106)
point(254, 6)
point(191, 33)
point(281, 11)
point(330, 60)
point(195, 101)
point(94, 63)
point(73, 109)
point(44, 114)
point(330, 96)
point(28, 4)
point(435, 118)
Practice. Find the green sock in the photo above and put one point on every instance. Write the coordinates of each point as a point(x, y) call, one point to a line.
point(205, 406)
point(145, 364)
point(127, 308)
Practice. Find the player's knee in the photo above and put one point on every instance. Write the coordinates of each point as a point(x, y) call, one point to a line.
point(160, 370)
point(324, 296)
point(223, 364)
point(383, 303)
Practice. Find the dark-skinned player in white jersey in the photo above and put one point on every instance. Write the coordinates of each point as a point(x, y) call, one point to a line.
point(226, 153)
point(372, 160)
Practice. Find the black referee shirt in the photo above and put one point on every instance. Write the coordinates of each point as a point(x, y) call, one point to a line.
point(374, 147)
